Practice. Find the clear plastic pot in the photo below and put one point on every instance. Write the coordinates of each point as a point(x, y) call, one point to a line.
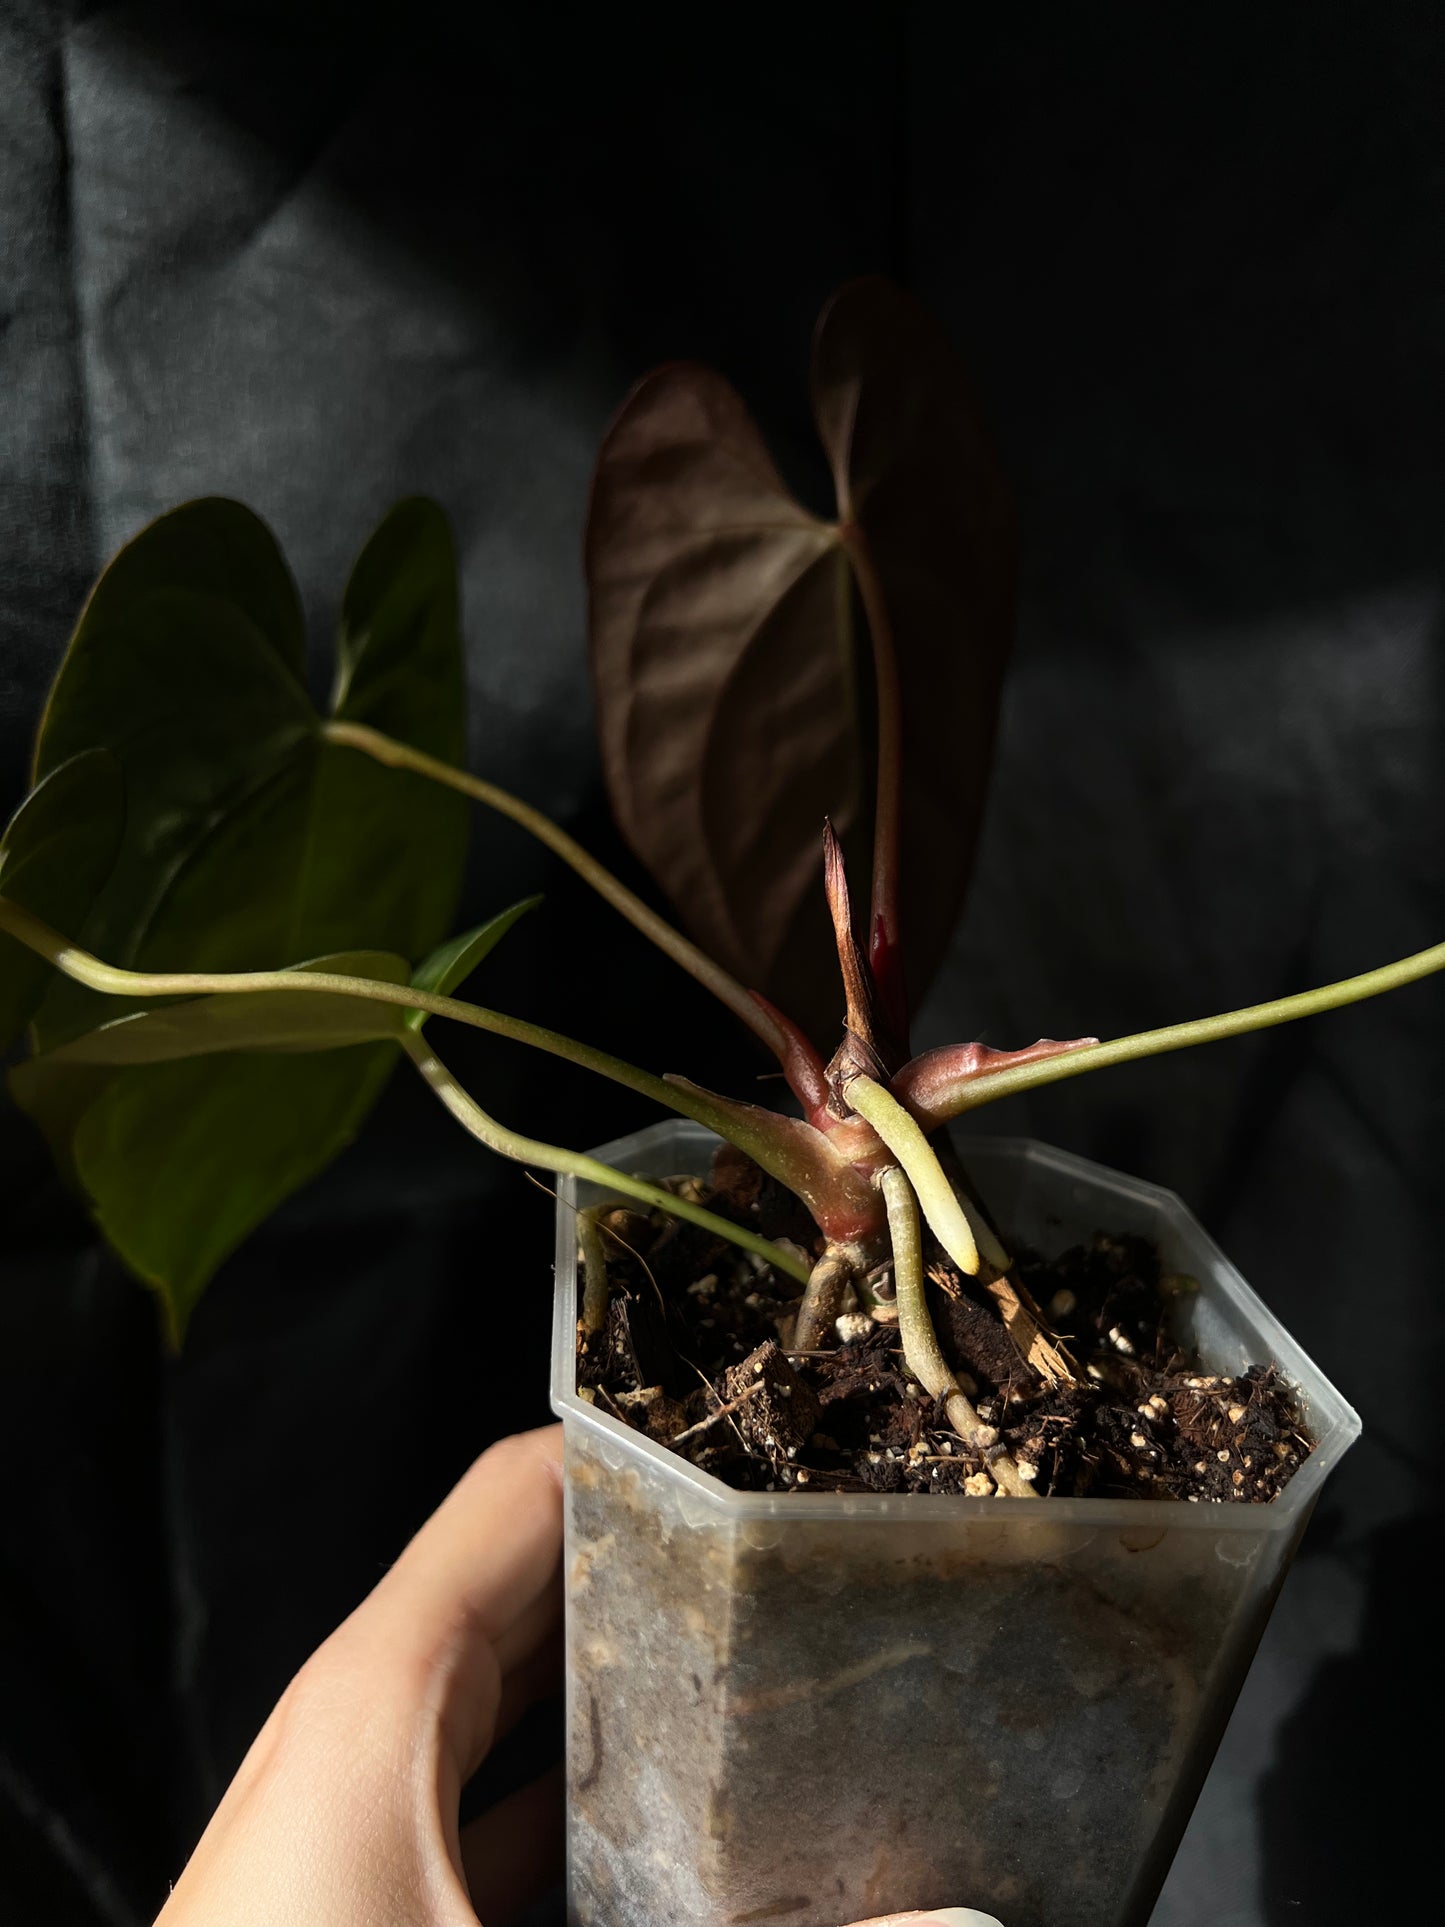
point(806, 1708)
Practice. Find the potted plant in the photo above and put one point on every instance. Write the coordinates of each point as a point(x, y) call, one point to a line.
point(885, 1582)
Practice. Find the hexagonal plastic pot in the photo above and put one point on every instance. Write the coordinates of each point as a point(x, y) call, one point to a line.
point(804, 1709)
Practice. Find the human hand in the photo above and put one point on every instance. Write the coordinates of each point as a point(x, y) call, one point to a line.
point(345, 1811)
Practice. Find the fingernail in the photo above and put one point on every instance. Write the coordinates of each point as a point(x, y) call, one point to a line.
point(946, 1917)
point(953, 1917)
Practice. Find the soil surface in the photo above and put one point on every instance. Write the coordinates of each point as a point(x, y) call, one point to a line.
point(695, 1353)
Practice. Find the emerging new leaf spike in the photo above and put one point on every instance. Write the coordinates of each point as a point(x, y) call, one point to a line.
point(862, 1016)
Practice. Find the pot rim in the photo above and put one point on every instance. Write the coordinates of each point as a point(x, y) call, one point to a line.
point(1335, 1422)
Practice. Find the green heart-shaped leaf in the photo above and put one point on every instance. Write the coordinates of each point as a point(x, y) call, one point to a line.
point(454, 961)
point(55, 1089)
point(250, 841)
point(182, 1164)
point(157, 1154)
point(55, 854)
point(186, 665)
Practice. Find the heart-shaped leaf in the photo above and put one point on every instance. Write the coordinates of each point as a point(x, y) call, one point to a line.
point(723, 664)
point(186, 664)
point(57, 1088)
point(181, 1164)
point(735, 689)
point(450, 965)
point(55, 854)
point(251, 841)
point(916, 474)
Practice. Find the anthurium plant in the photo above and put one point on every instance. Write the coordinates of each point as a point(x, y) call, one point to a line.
point(224, 914)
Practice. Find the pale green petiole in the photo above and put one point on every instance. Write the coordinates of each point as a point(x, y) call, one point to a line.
point(111, 980)
point(1200, 1030)
point(697, 963)
point(114, 981)
point(550, 1157)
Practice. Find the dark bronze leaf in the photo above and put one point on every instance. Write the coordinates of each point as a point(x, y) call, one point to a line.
point(735, 690)
point(917, 474)
point(723, 669)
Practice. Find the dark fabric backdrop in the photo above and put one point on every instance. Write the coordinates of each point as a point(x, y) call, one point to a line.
point(318, 258)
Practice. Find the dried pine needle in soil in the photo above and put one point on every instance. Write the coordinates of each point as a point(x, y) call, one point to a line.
point(694, 1353)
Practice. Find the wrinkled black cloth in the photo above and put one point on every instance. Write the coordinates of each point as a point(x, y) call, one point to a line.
point(319, 257)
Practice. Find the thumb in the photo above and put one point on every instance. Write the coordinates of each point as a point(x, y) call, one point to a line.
point(458, 1622)
point(934, 1917)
